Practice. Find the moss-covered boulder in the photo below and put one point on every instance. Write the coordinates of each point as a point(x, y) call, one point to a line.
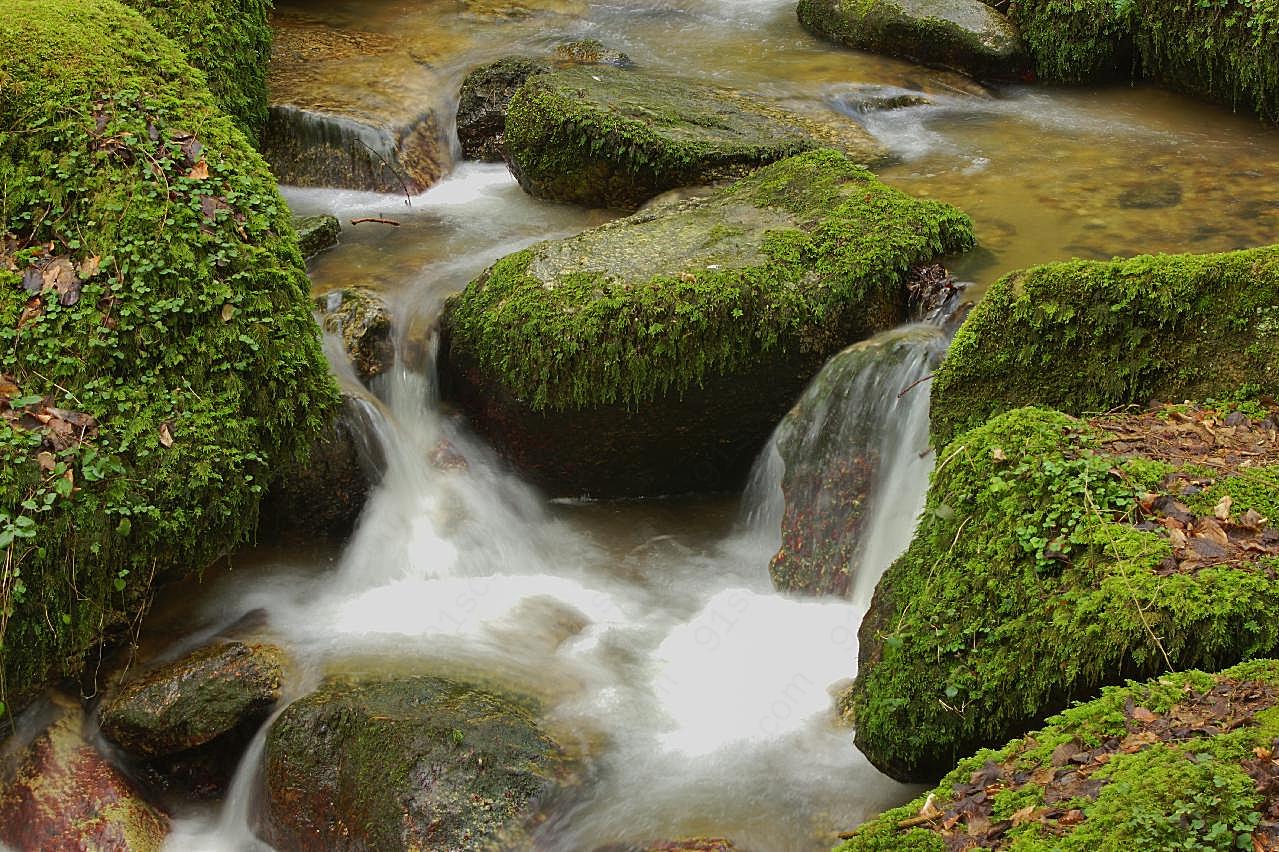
point(159, 360)
point(317, 233)
point(1091, 335)
point(58, 792)
point(230, 41)
point(410, 763)
point(212, 692)
point(1057, 555)
point(487, 91)
point(1225, 51)
point(608, 137)
point(654, 354)
point(961, 35)
point(1187, 761)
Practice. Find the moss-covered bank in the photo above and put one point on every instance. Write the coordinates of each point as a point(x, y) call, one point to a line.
point(158, 357)
point(1187, 761)
point(681, 335)
point(1224, 50)
point(1087, 336)
point(1042, 570)
point(230, 41)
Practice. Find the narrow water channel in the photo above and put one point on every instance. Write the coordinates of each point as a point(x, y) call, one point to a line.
point(649, 630)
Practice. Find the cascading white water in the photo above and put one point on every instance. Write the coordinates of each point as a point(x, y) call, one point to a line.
point(704, 695)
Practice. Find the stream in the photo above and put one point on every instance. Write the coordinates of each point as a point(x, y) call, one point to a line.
point(649, 630)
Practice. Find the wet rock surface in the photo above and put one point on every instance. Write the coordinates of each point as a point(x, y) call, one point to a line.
point(190, 702)
point(58, 792)
point(317, 233)
point(406, 763)
point(361, 318)
point(961, 35)
point(607, 137)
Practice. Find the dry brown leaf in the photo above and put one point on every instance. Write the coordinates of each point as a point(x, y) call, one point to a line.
point(997, 453)
point(1222, 510)
point(166, 437)
point(1211, 530)
point(89, 267)
point(228, 311)
point(1178, 538)
point(200, 171)
point(46, 460)
point(1141, 714)
point(9, 388)
point(1025, 815)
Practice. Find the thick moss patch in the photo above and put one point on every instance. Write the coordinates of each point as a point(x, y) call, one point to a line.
point(158, 353)
point(230, 41)
point(1088, 336)
point(1187, 761)
point(808, 255)
point(1224, 50)
point(609, 137)
point(1042, 569)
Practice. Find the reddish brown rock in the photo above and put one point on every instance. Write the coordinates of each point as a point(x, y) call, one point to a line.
point(59, 793)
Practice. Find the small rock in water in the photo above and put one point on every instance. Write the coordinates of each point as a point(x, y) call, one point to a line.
point(316, 233)
point(361, 317)
point(1150, 196)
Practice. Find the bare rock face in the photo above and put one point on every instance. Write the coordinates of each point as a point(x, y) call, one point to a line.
point(58, 792)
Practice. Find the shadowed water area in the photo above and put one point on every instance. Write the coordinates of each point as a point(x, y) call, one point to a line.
point(649, 631)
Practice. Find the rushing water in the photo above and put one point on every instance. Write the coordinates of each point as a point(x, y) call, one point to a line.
point(649, 630)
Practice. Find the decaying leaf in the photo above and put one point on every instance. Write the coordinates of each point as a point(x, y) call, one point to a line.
point(200, 171)
point(166, 436)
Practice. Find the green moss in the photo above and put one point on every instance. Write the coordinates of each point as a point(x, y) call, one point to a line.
point(1184, 793)
point(230, 41)
point(655, 303)
point(1026, 585)
point(195, 326)
point(1225, 50)
point(1087, 336)
point(606, 137)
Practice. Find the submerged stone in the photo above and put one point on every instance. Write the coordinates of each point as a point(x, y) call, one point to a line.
point(385, 138)
point(655, 354)
point(212, 692)
point(58, 792)
point(1050, 561)
point(961, 35)
point(1186, 761)
point(408, 763)
point(606, 137)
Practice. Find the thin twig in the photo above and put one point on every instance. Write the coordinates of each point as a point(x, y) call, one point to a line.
point(912, 385)
point(377, 220)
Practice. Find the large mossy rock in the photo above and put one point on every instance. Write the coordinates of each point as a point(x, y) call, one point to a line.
point(1187, 761)
point(410, 763)
point(217, 690)
point(1092, 335)
point(961, 35)
point(1224, 51)
point(1052, 559)
point(58, 792)
point(655, 353)
point(159, 361)
point(230, 41)
point(608, 137)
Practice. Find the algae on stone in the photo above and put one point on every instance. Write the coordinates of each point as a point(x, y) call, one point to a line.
point(1087, 336)
point(1186, 761)
point(961, 35)
point(1028, 583)
point(677, 337)
point(167, 314)
point(609, 137)
point(407, 763)
point(230, 41)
